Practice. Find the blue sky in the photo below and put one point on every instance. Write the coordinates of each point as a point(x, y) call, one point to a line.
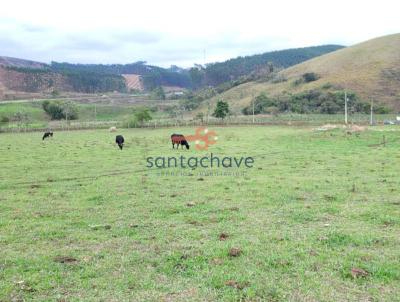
point(180, 32)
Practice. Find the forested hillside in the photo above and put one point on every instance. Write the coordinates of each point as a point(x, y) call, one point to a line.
point(152, 76)
point(18, 75)
point(218, 73)
point(47, 79)
point(197, 77)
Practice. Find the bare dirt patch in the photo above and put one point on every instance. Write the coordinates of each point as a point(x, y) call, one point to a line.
point(235, 252)
point(65, 259)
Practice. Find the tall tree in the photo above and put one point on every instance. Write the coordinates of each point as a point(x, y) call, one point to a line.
point(221, 110)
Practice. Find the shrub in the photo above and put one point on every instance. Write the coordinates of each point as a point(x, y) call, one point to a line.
point(329, 107)
point(58, 110)
point(272, 110)
point(4, 119)
point(191, 103)
point(261, 102)
point(140, 115)
point(327, 86)
point(381, 109)
point(153, 108)
point(134, 91)
point(158, 93)
point(199, 116)
point(70, 110)
point(298, 82)
point(278, 79)
point(171, 110)
point(310, 77)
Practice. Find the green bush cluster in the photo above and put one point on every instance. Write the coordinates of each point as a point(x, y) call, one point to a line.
point(140, 115)
point(158, 93)
point(310, 77)
point(58, 110)
point(312, 101)
point(4, 119)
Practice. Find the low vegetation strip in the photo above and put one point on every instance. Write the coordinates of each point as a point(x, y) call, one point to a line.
point(260, 120)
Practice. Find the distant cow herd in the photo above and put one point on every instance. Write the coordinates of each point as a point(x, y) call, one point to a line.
point(176, 139)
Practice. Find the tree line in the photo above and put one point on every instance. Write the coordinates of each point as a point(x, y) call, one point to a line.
point(199, 76)
point(98, 78)
point(152, 76)
point(311, 101)
point(217, 73)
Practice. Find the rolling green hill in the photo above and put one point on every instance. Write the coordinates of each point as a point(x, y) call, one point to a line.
point(370, 69)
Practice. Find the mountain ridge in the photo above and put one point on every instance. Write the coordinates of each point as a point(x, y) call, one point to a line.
point(20, 75)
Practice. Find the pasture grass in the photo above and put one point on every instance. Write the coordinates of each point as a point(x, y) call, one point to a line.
point(81, 220)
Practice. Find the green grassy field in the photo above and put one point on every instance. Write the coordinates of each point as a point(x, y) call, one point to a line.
point(81, 220)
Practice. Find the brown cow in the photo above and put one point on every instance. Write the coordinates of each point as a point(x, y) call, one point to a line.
point(179, 139)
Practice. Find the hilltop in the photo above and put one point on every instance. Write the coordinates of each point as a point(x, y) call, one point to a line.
point(21, 63)
point(370, 69)
point(218, 73)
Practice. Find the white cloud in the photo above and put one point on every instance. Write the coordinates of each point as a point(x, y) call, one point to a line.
point(178, 32)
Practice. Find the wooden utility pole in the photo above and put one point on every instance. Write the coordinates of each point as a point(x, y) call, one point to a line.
point(208, 112)
point(66, 118)
point(371, 122)
point(345, 107)
point(95, 112)
point(252, 97)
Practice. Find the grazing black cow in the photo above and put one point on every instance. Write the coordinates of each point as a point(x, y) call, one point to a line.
point(179, 139)
point(119, 139)
point(47, 134)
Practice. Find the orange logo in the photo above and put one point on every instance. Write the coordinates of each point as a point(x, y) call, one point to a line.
point(203, 138)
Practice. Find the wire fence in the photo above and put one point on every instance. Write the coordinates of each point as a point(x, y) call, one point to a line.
point(283, 119)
